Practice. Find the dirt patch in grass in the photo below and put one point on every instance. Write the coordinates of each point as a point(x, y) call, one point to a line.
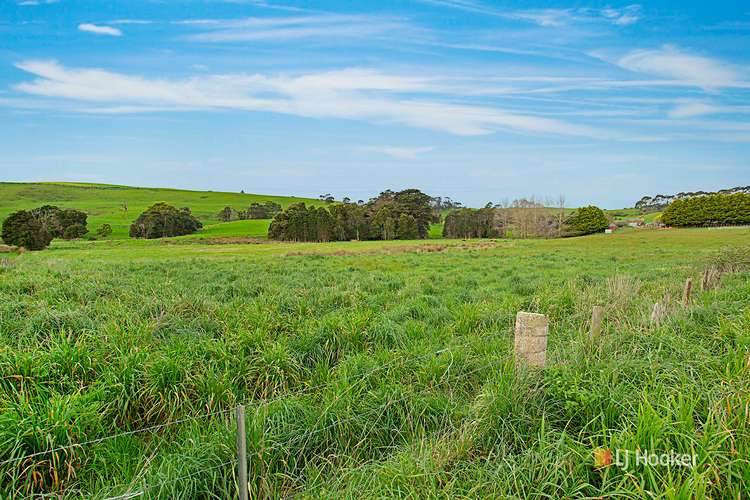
point(229, 240)
point(397, 249)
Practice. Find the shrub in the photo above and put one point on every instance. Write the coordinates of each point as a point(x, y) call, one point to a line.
point(104, 230)
point(227, 214)
point(24, 229)
point(56, 220)
point(587, 220)
point(709, 210)
point(162, 221)
point(70, 217)
point(74, 231)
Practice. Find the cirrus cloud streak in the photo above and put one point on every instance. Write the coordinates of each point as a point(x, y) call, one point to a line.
point(357, 94)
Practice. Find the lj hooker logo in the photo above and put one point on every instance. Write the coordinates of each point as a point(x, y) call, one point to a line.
point(625, 459)
point(602, 458)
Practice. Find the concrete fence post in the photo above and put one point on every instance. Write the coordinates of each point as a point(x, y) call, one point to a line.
point(657, 313)
point(531, 339)
point(241, 453)
point(596, 322)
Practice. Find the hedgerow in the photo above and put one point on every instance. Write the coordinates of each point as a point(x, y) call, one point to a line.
point(716, 209)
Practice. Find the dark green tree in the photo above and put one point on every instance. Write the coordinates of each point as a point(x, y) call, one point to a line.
point(24, 229)
point(406, 228)
point(104, 230)
point(74, 231)
point(263, 210)
point(227, 214)
point(57, 220)
point(70, 217)
point(587, 220)
point(349, 221)
point(162, 220)
point(473, 223)
point(383, 224)
point(412, 202)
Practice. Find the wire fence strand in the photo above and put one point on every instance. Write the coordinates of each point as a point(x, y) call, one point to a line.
point(392, 402)
point(264, 401)
point(147, 487)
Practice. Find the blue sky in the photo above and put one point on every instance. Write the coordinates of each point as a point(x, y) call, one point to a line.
point(602, 102)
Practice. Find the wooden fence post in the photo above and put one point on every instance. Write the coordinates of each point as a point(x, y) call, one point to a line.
point(531, 339)
point(686, 292)
point(241, 453)
point(596, 322)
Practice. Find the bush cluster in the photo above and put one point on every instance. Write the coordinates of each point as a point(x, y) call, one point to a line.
point(392, 215)
point(472, 223)
point(74, 231)
point(716, 209)
point(162, 220)
point(34, 229)
point(104, 230)
point(256, 210)
point(23, 229)
point(587, 220)
point(522, 219)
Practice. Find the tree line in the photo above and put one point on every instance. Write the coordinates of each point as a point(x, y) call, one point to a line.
point(391, 215)
point(711, 210)
point(402, 215)
point(523, 218)
point(256, 210)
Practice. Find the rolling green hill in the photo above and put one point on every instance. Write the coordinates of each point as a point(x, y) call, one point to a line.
point(105, 203)
point(632, 214)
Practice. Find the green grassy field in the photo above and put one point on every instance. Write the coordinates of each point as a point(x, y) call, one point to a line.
point(632, 214)
point(372, 369)
point(104, 204)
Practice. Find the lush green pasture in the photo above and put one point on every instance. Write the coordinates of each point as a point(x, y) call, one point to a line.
point(105, 203)
point(629, 214)
point(372, 369)
point(240, 228)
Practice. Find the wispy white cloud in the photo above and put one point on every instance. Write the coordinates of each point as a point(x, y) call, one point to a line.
point(693, 108)
point(292, 27)
point(670, 62)
point(31, 3)
point(623, 17)
point(99, 30)
point(347, 94)
point(398, 152)
point(551, 17)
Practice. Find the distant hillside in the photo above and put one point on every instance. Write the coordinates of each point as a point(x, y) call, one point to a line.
point(661, 201)
point(120, 205)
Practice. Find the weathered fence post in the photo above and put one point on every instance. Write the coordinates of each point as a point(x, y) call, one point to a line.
point(704, 280)
point(686, 292)
point(241, 453)
point(657, 313)
point(596, 322)
point(531, 338)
